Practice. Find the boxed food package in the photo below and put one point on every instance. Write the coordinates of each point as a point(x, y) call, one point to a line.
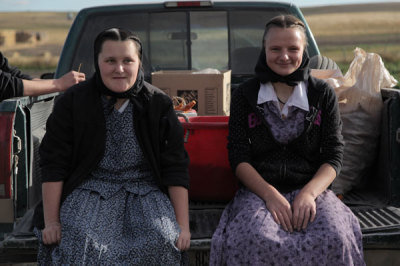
point(210, 89)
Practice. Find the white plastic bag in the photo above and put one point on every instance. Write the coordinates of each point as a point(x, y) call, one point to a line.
point(360, 104)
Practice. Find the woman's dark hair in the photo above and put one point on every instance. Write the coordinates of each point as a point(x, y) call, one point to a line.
point(116, 34)
point(285, 21)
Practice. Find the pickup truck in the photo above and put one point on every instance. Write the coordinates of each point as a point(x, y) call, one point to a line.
point(224, 35)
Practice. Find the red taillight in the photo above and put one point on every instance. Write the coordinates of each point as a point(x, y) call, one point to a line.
point(188, 4)
point(6, 129)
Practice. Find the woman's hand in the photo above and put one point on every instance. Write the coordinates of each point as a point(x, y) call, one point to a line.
point(304, 206)
point(277, 204)
point(280, 210)
point(304, 210)
point(51, 194)
point(69, 79)
point(183, 242)
point(51, 234)
point(180, 201)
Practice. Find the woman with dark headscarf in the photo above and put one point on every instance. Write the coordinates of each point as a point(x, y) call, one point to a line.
point(114, 169)
point(285, 147)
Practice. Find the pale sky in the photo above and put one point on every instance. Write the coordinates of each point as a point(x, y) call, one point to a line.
point(76, 5)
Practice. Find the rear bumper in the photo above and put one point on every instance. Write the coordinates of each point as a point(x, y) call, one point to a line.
point(378, 247)
point(18, 249)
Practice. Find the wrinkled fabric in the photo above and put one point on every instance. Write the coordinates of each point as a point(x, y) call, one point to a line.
point(248, 235)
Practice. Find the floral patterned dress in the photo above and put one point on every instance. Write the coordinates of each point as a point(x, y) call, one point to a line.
point(119, 216)
point(248, 235)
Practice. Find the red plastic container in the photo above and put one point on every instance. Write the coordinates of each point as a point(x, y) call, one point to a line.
point(211, 178)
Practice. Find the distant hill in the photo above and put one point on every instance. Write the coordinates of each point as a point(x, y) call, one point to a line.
point(369, 7)
point(373, 27)
point(377, 23)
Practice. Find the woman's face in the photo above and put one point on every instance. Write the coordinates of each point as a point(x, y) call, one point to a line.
point(284, 49)
point(119, 64)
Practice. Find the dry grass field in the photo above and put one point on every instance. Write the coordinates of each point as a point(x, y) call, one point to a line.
point(338, 30)
point(53, 24)
point(366, 26)
point(42, 56)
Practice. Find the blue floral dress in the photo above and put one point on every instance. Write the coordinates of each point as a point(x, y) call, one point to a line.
point(119, 216)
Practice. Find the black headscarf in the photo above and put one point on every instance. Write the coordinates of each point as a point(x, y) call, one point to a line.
point(265, 74)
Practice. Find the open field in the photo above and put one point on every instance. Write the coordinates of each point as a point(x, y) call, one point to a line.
point(54, 25)
point(375, 28)
point(338, 30)
point(353, 25)
point(42, 56)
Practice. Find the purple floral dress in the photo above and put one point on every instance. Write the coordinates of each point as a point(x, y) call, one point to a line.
point(248, 235)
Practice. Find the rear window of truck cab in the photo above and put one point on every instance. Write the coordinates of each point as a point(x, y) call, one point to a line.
point(185, 39)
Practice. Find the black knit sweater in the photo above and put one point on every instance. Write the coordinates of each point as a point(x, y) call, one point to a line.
point(10, 80)
point(286, 166)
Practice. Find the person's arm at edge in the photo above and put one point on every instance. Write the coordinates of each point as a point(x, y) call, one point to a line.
point(44, 86)
point(51, 193)
point(180, 202)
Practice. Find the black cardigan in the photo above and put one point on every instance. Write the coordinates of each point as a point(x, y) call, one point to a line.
point(286, 166)
point(74, 142)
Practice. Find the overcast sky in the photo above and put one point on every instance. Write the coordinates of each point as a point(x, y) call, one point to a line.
point(76, 5)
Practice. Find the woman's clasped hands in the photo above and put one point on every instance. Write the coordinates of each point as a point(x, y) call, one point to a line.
point(292, 217)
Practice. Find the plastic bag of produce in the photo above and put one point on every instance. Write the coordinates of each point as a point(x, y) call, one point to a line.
point(360, 104)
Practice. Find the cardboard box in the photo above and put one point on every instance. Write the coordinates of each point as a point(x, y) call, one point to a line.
point(6, 211)
point(212, 92)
